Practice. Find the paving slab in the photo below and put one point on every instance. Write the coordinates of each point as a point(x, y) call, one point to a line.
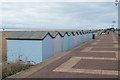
point(97, 64)
point(95, 54)
point(104, 49)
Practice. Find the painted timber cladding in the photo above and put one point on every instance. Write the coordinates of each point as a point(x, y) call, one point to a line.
point(83, 37)
point(47, 48)
point(75, 40)
point(90, 35)
point(57, 42)
point(87, 37)
point(71, 41)
point(65, 43)
point(82, 40)
point(75, 37)
point(30, 50)
point(79, 39)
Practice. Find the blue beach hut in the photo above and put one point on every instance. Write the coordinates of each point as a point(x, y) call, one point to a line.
point(57, 42)
point(75, 34)
point(30, 46)
point(80, 40)
point(65, 43)
point(70, 40)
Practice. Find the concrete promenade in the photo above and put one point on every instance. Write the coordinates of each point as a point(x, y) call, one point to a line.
point(97, 58)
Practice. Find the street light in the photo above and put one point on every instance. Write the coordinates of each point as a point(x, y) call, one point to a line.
point(116, 2)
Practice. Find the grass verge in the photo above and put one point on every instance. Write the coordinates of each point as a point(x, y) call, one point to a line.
point(13, 68)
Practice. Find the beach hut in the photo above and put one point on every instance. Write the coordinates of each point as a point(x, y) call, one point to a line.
point(57, 42)
point(87, 36)
point(31, 46)
point(48, 48)
point(83, 36)
point(64, 40)
point(80, 38)
point(90, 35)
point(75, 34)
point(70, 40)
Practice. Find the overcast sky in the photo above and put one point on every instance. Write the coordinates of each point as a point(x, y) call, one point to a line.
point(58, 15)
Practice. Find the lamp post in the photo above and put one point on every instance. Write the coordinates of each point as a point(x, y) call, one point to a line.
point(117, 3)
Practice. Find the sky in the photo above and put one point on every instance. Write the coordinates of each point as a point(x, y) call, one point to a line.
point(58, 15)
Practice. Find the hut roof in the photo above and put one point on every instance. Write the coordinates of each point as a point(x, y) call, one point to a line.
point(27, 35)
point(40, 35)
point(62, 33)
point(69, 33)
point(80, 33)
point(77, 33)
point(83, 32)
point(74, 33)
point(53, 34)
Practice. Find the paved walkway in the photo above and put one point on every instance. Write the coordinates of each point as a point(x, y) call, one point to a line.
point(96, 59)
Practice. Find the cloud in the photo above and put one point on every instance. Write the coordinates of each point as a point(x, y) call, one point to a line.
point(58, 15)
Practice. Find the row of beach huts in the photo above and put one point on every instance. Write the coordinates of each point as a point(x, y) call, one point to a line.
point(39, 46)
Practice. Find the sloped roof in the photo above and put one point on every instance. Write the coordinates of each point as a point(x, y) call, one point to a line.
point(77, 33)
point(83, 32)
point(41, 35)
point(80, 33)
point(74, 33)
point(69, 33)
point(53, 34)
point(28, 35)
point(62, 33)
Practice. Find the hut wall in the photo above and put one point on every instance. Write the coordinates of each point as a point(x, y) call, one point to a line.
point(30, 50)
point(75, 40)
point(65, 43)
point(71, 41)
point(57, 42)
point(47, 48)
point(79, 39)
point(87, 37)
point(90, 35)
point(83, 37)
